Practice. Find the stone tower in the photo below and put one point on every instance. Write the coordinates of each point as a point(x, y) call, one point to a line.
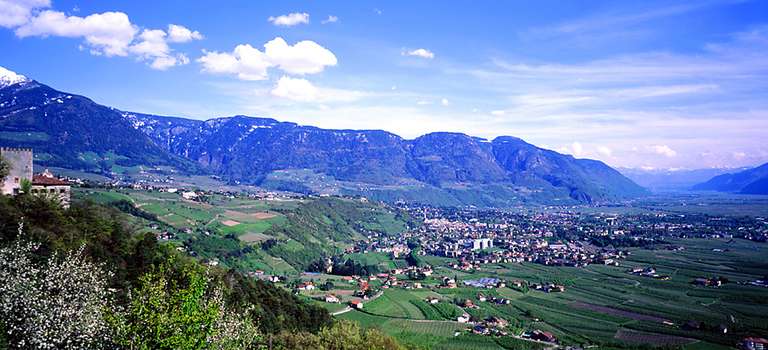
point(20, 168)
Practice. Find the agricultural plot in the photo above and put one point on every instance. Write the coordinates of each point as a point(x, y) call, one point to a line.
point(395, 303)
point(607, 306)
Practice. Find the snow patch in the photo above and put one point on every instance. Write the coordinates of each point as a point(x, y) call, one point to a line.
point(8, 78)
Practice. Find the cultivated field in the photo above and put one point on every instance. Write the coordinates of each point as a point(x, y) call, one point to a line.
point(601, 305)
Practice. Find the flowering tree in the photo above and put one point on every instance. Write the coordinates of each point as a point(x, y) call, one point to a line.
point(59, 304)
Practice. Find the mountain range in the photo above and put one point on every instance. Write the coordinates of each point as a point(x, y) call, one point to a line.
point(750, 181)
point(442, 168)
point(665, 180)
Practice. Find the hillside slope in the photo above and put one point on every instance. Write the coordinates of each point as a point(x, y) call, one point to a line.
point(72, 131)
point(750, 181)
point(378, 163)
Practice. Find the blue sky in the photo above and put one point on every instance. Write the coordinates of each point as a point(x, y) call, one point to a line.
point(656, 84)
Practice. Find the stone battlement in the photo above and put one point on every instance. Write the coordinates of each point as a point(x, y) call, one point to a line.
point(14, 149)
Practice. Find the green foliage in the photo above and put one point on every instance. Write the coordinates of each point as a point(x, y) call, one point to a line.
point(109, 239)
point(173, 312)
point(26, 186)
point(4, 168)
point(343, 335)
point(315, 228)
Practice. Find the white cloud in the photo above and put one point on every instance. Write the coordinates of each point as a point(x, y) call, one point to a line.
point(577, 149)
point(295, 89)
point(302, 90)
point(108, 33)
point(249, 63)
point(445, 102)
point(330, 19)
point(305, 57)
point(605, 151)
point(664, 150)
point(498, 113)
point(423, 53)
point(290, 19)
point(152, 46)
point(182, 34)
point(15, 13)
point(423, 103)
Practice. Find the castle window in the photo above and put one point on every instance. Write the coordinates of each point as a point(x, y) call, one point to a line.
point(62, 191)
point(15, 180)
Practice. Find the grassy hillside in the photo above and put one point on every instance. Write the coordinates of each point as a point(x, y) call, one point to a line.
point(280, 236)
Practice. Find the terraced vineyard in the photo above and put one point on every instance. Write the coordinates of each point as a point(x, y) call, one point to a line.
point(281, 235)
point(602, 305)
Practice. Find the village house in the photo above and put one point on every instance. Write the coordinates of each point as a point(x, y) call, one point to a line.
point(330, 298)
point(543, 336)
point(306, 286)
point(49, 185)
point(356, 304)
point(754, 344)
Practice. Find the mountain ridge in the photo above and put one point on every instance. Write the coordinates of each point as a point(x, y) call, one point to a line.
point(750, 181)
point(73, 131)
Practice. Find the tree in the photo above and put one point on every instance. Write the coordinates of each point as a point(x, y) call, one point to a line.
point(4, 168)
point(26, 186)
point(182, 311)
point(342, 335)
point(59, 304)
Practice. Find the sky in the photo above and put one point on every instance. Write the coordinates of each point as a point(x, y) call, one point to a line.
point(640, 84)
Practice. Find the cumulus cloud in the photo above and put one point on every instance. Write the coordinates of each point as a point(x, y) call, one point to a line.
point(15, 13)
point(249, 63)
point(108, 33)
point(290, 19)
point(330, 19)
point(152, 46)
point(182, 34)
point(302, 90)
point(664, 150)
point(423, 53)
point(498, 113)
point(445, 102)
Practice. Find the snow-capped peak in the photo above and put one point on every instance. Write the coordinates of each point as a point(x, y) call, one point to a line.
point(8, 78)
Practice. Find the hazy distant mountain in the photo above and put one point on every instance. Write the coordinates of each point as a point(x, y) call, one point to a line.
point(751, 181)
point(440, 168)
point(672, 179)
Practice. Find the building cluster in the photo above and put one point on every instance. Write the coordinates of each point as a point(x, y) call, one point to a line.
point(21, 177)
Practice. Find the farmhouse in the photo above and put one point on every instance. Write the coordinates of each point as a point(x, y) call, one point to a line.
point(543, 336)
point(754, 344)
point(356, 304)
point(49, 185)
point(308, 286)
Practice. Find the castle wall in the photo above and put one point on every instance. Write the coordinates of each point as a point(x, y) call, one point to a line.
point(20, 161)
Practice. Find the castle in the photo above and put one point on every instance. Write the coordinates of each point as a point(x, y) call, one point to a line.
point(21, 169)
